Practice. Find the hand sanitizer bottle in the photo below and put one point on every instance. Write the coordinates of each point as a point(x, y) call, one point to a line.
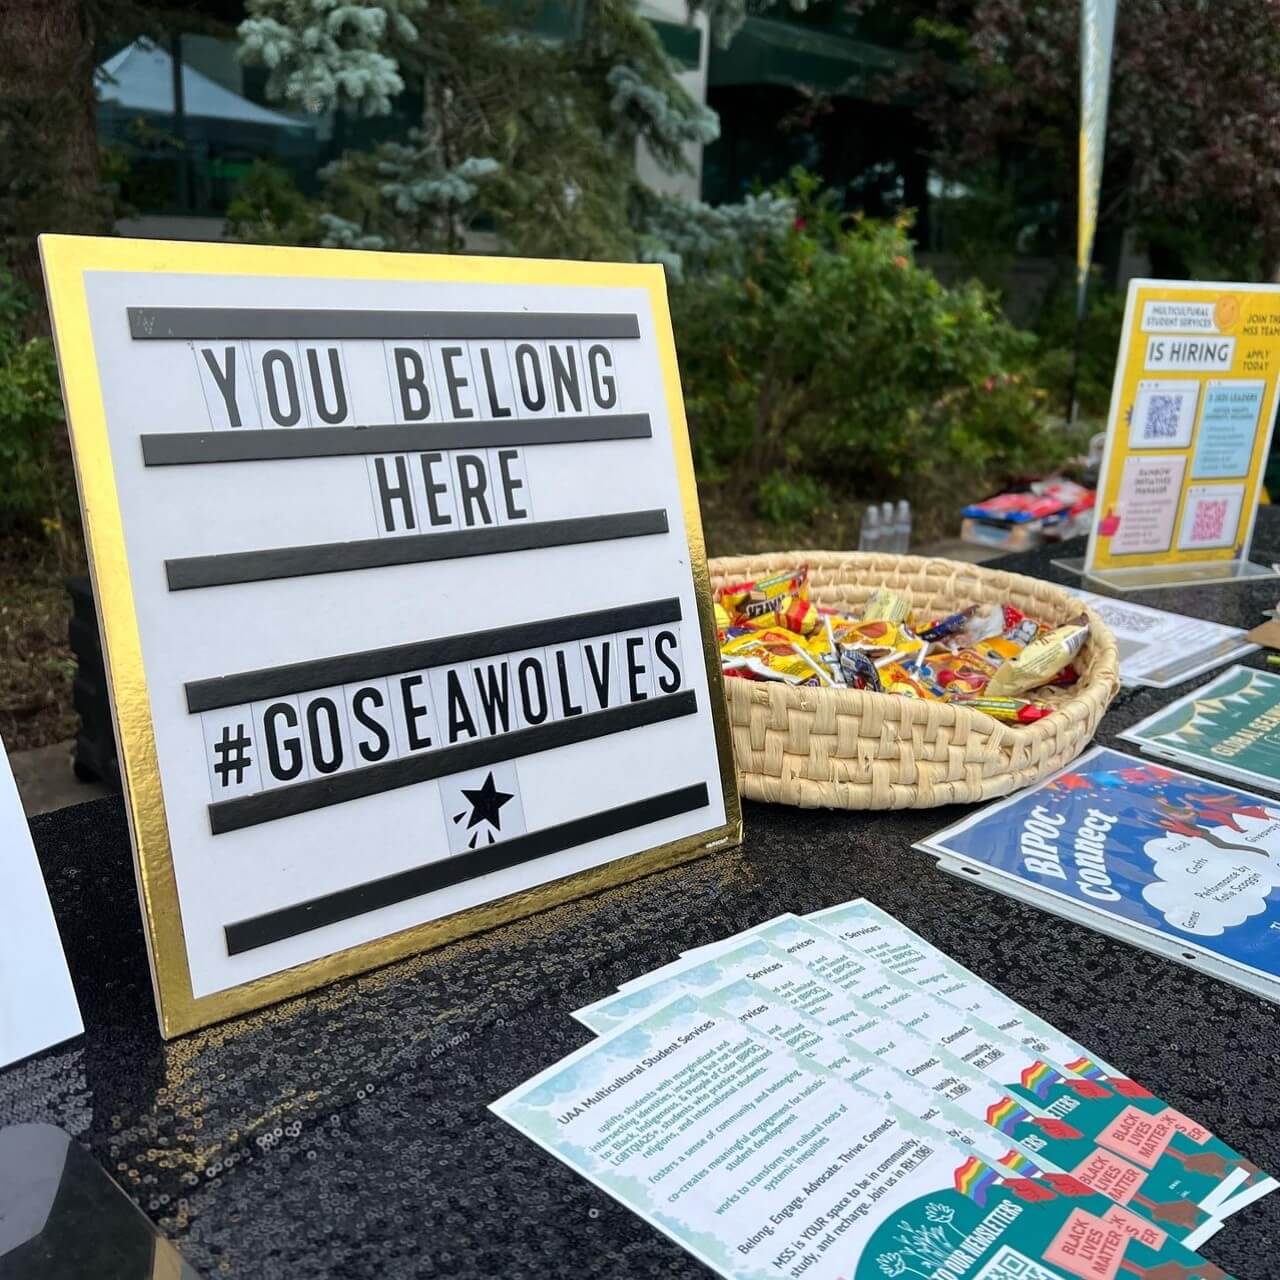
point(869, 539)
point(902, 527)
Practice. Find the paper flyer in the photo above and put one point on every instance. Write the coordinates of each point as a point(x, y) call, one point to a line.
point(877, 936)
point(1109, 1111)
point(1188, 867)
point(862, 1029)
point(1189, 430)
point(999, 1084)
point(841, 1032)
point(1230, 727)
point(763, 1169)
point(37, 1001)
point(810, 1039)
point(1161, 649)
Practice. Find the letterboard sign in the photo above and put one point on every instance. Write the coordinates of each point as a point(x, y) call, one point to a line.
point(403, 596)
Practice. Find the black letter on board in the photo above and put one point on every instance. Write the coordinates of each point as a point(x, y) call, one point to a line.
point(455, 381)
point(526, 694)
point(599, 675)
point(564, 376)
point(635, 669)
point(510, 484)
point(435, 516)
point(389, 494)
point(364, 698)
point(293, 747)
point(411, 374)
point(413, 713)
point(603, 387)
point(566, 693)
point(529, 375)
point(339, 410)
point(275, 358)
point(472, 490)
point(496, 408)
point(663, 642)
point(226, 380)
point(333, 761)
point(493, 685)
point(459, 712)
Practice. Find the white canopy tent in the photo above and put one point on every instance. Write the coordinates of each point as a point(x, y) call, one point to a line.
point(140, 78)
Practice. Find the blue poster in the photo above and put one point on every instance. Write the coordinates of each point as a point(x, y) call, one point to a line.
point(1228, 426)
point(1190, 861)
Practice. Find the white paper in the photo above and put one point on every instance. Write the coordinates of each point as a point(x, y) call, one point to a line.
point(243, 873)
point(765, 1165)
point(37, 1002)
point(1162, 649)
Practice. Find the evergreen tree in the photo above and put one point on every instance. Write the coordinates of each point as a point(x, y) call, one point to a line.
point(533, 137)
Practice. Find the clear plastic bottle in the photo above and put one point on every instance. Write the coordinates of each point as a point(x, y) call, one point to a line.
point(871, 537)
point(886, 526)
point(902, 527)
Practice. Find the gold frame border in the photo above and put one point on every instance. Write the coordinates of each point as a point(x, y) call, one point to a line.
point(65, 260)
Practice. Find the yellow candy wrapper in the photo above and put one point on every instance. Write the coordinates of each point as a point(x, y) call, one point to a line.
point(773, 655)
point(1040, 661)
point(886, 605)
point(748, 600)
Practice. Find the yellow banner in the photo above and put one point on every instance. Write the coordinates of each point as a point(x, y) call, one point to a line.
point(1097, 31)
point(1192, 411)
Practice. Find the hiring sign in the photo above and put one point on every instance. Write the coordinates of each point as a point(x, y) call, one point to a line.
point(1190, 431)
point(402, 591)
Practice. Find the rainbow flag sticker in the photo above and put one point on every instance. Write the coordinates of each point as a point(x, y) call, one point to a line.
point(1039, 1078)
point(1016, 1162)
point(1088, 1068)
point(1006, 1115)
point(974, 1179)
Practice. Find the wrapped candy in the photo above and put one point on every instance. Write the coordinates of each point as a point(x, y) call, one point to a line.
point(986, 621)
point(798, 615)
point(895, 678)
point(985, 657)
point(859, 671)
point(772, 655)
point(1009, 710)
point(885, 605)
point(1040, 661)
point(745, 600)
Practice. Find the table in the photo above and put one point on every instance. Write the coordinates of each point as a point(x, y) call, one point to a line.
point(346, 1133)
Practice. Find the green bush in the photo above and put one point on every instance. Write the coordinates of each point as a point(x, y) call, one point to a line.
point(38, 490)
point(833, 355)
point(1100, 344)
point(783, 499)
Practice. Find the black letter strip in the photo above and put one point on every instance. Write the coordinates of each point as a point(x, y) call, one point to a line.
point(184, 448)
point(272, 324)
point(355, 668)
point(338, 788)
point(378, 553)
point(345, 904)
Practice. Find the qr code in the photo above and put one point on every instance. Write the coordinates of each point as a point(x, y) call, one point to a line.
point(1009, 1264)
point(1163, 415)
point(1126, 619)
point(1210, 519)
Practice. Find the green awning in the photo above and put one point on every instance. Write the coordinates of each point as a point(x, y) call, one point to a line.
point(768, 51)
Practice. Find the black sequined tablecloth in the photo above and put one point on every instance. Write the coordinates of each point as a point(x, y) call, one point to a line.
point(346, 1133)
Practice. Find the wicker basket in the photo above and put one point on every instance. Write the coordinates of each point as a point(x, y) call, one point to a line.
point(847, 749)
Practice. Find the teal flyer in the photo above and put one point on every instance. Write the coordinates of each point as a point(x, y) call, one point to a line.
point(1230, 727)
point(766, 1170)
point(1228, 427)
